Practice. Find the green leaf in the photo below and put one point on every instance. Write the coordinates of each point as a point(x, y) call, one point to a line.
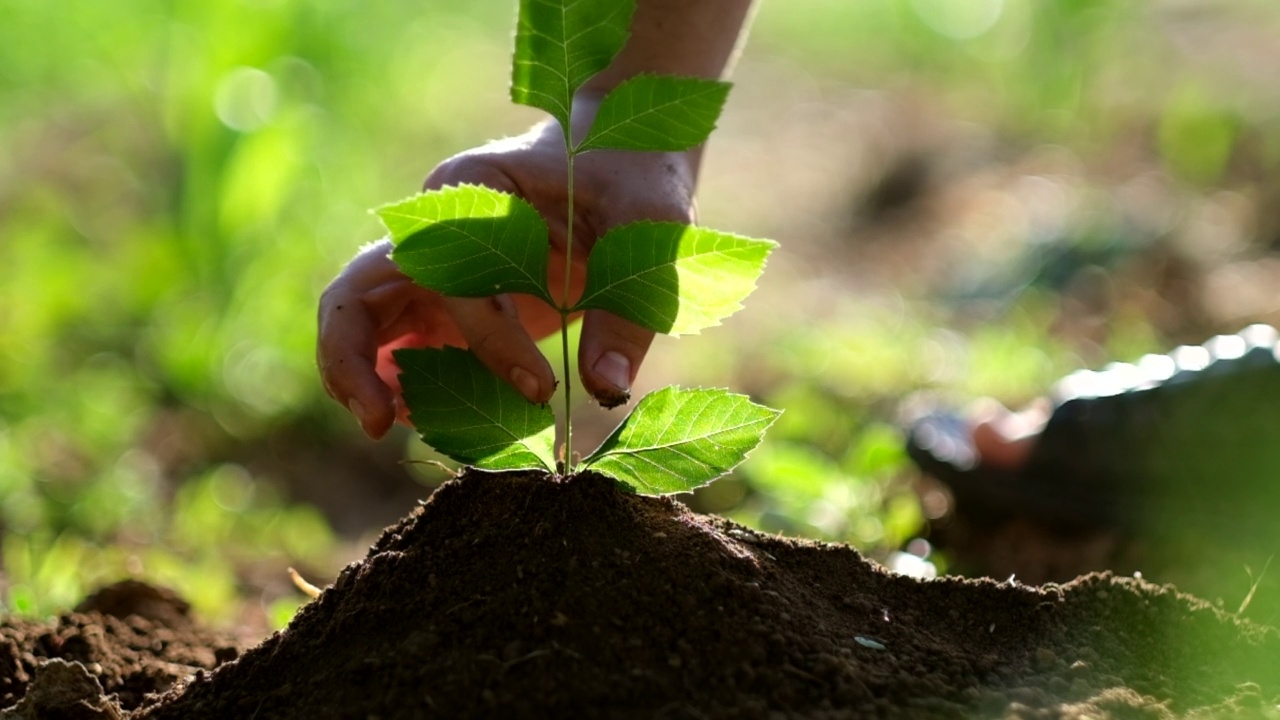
point(470, 241)
point(678, 440)
point(466, 412)
point(672, 278)
point(560, 44)
point(657, 113)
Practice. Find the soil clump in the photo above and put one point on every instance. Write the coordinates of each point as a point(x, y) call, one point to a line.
point(121, 646)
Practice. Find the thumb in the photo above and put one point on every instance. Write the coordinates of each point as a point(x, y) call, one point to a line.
point(610, 353)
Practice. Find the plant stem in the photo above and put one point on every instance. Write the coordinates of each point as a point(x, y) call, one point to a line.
point(564, 315)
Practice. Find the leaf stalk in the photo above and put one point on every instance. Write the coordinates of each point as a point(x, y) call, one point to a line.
point(565, 303)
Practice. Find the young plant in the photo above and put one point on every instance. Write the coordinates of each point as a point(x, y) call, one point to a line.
point(470, 241)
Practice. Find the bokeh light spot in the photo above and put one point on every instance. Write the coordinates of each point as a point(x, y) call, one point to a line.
point(246, 99)
point(959, 19)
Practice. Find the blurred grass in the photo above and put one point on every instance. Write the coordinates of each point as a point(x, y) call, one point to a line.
point(179, 180)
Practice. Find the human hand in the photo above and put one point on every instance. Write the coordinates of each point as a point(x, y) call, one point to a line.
point(372, 308)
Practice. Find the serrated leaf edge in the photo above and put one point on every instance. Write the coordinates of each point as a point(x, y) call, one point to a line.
point(595, 137)
point(560, 108)
point(585, 302)
point(383, 211)
point(515, 439)
point(587, 463)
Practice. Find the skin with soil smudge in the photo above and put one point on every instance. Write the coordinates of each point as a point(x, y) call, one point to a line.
point(515, 596)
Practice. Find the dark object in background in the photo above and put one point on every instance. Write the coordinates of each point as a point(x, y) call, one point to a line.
point(1170, 466)
point(896, 192)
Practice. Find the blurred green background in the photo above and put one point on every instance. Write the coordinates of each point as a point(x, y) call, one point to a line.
point(973, 197)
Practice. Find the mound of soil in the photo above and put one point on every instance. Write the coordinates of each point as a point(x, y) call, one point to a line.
point(511, 596)
point(129, 640)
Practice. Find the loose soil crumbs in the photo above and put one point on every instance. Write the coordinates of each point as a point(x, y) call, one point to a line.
point(514, 596)
point(128, 641)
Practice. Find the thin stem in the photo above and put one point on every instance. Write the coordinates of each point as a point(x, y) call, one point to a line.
point(564, 317)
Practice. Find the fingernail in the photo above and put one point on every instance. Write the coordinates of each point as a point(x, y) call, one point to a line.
point(615, 369)
point(357, 409)
point(526, 383)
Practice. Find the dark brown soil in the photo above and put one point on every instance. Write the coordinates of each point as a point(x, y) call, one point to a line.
point(132, 639)
point(519, 597)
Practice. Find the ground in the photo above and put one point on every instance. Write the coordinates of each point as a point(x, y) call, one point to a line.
point(519, 596)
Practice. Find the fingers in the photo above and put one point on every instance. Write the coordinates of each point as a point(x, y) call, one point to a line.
point(609, 354)
point(491, 326)
point(369, 309)
point(492, 329)
point(359, 329)
point(347, 354)
point(621, 188)
point(372, 307)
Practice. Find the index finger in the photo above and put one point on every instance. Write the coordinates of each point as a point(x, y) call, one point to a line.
point(347, 356)
point(347, 339)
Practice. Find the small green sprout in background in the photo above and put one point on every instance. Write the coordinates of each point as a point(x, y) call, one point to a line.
point(471, 241)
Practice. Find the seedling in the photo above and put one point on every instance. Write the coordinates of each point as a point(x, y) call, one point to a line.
point(471, 241)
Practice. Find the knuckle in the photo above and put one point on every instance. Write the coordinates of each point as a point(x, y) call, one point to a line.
point(487, 342)
point(443, 174)
point(465, 169)
point(335, 298)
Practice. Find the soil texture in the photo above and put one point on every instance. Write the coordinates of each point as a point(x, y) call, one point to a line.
point(514, 596)
point(124, 644)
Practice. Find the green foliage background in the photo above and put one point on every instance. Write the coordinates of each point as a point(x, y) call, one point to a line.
point(179, 180)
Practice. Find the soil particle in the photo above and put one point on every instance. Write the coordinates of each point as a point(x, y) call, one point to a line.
point(513, 596)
